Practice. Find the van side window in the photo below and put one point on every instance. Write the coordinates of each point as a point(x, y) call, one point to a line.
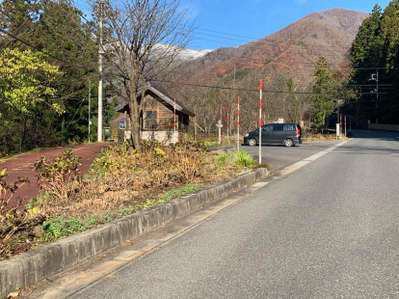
point(289, 127)
point(277, 127)
point(268, 128)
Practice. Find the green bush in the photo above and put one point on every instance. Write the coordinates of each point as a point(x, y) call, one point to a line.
point(244, 159)
point(178, 192)
point(112, 159)
point(240, 159)
point(60, 227)
point(164, 198)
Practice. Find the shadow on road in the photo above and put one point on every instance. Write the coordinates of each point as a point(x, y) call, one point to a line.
point(356, 149)
point(381, 135)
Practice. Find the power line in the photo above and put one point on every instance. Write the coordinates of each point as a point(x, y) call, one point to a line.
point(203, 29)
point(375, 68)
point(240, 89)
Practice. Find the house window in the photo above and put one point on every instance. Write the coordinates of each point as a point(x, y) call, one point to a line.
point(150, 120)
point(122, 123)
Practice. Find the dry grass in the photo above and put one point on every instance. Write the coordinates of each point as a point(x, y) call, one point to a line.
point(121, 181)
point(309, 138)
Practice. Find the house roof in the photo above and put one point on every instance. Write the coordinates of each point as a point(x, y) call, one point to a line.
point(159, 92)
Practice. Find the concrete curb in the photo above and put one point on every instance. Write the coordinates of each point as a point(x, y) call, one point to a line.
point(27, 269)
point(221, 149)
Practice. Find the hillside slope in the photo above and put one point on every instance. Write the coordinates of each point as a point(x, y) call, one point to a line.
point(290, 52)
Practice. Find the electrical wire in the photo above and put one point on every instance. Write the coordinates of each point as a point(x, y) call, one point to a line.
point(240, 89)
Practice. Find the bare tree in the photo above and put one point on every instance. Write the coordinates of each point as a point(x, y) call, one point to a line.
point(146, 37)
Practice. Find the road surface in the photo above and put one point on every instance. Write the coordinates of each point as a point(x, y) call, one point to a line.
point(330, 229)
point(278, 157)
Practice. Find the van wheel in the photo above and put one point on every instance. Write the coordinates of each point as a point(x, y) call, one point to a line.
point(288, 143)
point(252, 142)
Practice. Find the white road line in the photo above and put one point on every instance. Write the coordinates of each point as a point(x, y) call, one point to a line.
point(298, 165)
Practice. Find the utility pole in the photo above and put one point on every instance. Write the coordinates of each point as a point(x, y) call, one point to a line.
point(261, 85)
point(174, 124)
point(238, 123)
point(238, 108)
point(378, 87)
point(89, 116)
point(376, 77)
point(378, 93)
point(100, 70)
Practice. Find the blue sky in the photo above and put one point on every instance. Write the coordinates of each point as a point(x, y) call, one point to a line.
point(227, 23)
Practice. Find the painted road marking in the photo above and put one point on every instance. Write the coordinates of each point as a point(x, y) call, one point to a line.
point(298, 165)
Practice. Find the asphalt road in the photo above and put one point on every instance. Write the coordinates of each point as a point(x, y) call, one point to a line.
point(330, 229)
point(278, 157)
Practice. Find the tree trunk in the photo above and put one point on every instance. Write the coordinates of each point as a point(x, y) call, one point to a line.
point(134, 111)
point(23, 135)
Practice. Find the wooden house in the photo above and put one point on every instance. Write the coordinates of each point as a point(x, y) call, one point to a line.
point(163, 118)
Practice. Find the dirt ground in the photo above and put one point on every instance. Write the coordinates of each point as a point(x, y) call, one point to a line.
point(23, 166)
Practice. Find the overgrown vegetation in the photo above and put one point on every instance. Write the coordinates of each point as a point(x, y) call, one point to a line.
point(375, 59)
point(16, 225)
point(240, 159)
point(48, 64)
point(26, 87)
point(120, 182)
point(54, 177)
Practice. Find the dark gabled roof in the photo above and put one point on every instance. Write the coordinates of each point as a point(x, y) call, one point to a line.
point(159, 92)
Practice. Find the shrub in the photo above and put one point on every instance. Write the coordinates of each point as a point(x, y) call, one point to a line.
point(187, 159)
point(240, 159)
point(55, 177)
point(114, 158)
point(14, 222)
point(60, 227)
point(223, 159)
point(7, 191)
point(244, 159)
point(178, 192)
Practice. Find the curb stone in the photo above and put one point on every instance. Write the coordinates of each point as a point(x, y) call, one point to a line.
point(27, 269)
point(221, 149)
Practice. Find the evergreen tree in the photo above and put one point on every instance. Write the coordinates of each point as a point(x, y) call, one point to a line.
point(368, 47)
point(374, 56)
point(390, 32)
point(325, 90)
point(57, 29)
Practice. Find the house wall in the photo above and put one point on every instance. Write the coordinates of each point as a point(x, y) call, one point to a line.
point(160, 128)
point(164, 116)
point(164, 137)
point(116, 133)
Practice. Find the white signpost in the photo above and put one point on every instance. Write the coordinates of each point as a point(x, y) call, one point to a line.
point(219, 125)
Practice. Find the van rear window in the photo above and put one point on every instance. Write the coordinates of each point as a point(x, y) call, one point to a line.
point(289, 127)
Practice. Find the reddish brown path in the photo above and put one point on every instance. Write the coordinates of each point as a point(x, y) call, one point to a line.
point(22, 166)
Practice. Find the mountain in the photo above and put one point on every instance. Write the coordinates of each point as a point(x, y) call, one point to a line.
point(290, 52)
point(182, 54)
point(190, 54)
